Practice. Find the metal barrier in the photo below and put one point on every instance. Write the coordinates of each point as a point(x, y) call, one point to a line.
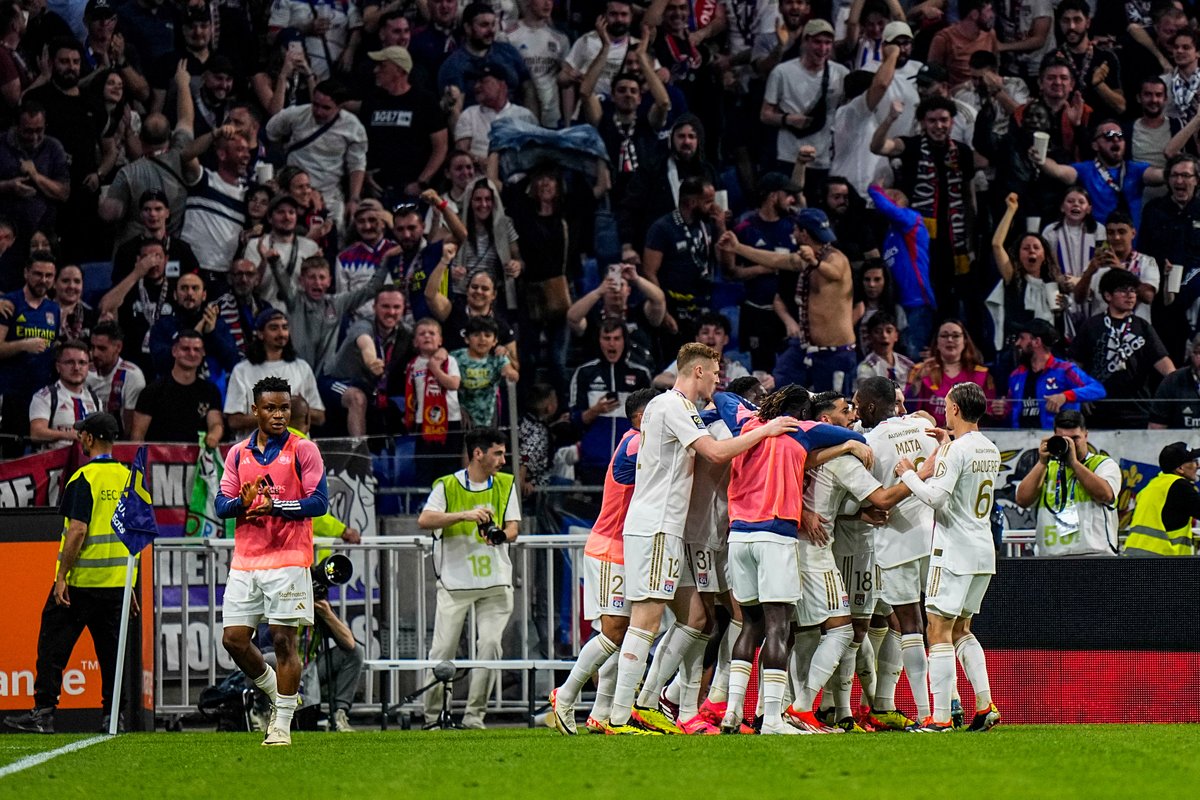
point(388, 607)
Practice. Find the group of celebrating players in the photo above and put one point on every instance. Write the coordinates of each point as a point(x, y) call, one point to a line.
point(820, 524)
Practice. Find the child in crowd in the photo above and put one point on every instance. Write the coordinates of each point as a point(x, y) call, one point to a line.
point(482, 364)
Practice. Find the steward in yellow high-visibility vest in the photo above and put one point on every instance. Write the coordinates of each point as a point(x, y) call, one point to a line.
point(1162, 518)
point(90, 581)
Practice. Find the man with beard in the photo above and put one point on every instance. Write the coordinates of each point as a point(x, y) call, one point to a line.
point(140, 299)
point(952, 46)
point(935, 174)
point(104, 49)
point(192, 311)
point(432, 44)
point(207, 98)
point(629, 128)
point(618, 15)
point(26, 359)
point(241, 305)
point(413, 257)
point(1148, 138)
point(1112, 182)
point(1097, 70)
point(654, 188)
point(77, 125)
point(34, 173)
point(681, 259)
point(357, 264)
point(769, 228)
point(369, 367)
point(857, 229)
point(270, 354)
point(117, 382)
point(1043, 385)
point(282, 241)
point(216, 208)
point(197, 38)
point(801, 97)
point(480, 48)
point(770, 48)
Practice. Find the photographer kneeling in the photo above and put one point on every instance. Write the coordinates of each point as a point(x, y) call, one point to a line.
point(1076, 492)
point(474, 514)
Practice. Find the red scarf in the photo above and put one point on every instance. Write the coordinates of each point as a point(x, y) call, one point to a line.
point(435, 413)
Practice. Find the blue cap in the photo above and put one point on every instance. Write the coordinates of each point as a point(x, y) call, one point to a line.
point(816, 223)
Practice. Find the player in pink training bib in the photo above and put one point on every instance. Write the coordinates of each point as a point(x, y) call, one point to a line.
point(274, 484)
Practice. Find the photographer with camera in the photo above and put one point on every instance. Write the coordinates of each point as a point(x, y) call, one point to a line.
point(1075, 490)
point(474, 514)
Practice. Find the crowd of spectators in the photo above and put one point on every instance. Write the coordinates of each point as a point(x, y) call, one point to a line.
point(403, 206)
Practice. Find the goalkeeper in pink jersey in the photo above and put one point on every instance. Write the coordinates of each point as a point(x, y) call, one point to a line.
point(274, 485)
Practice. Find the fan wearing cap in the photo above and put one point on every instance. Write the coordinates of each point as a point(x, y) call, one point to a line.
point(105, 49)
point(89, 579)
point(895, 76)
point(472, 132)
point(464, 67)
point(801, 97)
point(56, 408)
point(975, 30)
point(399, 118)
point(865, 34)
point(270, 354)
point(327, 29)
point(197, 51)
point(1167, 506)
point(815, 305)
point(1123, 352)
point(282, 242)
point(1043, 385)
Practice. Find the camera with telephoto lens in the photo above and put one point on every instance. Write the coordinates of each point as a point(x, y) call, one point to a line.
point(1058, 447)
point(492, 533)
point(332, 571)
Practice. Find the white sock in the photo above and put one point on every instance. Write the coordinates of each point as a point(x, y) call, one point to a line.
point(916, 665)
point(674, 648)
point(824, 661)
point(773, 683)
point(877, 635)
point(889, 665)
point(631, 665)
point(285, 707)
point(591, 656)
point(800, 661)
point(718, 690)
point(864, 667)
point(269, 684)
point(739, 677)
point(691, 672)
point(941, 679)
point(974, 664)
point(843, 680)
point(606, 684)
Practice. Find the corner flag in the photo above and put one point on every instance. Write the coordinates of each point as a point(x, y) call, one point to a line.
point(133, 521)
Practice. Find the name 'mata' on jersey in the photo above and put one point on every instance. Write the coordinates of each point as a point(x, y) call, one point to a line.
point(908, 534)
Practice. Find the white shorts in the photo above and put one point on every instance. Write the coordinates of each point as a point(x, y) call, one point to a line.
point(763, 572)
point(283, 596)
point(902, 585)
point(952, 596)
point(603, 589)
point(653, 566)
point(822, 597)
point(706, 569)
point(860, 574)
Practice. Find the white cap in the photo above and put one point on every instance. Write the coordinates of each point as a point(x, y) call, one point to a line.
point(896, 29)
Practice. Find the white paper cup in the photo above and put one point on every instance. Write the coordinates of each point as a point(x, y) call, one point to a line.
point(1041, 141)
point(1033, 224)
point(722, 200)
point(1175, 278)
point(263, 172)
point(1051, 290)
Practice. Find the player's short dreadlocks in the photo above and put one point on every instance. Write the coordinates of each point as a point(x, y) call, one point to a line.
point(789, 401)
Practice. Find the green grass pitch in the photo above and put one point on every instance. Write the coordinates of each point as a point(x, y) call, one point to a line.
point(1058, 761)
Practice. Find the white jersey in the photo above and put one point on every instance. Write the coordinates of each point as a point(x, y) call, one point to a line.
point(708, 509)
point(826, 491)
point(663, 482)
point(962, 492)
point(908, 534)
point(122, 387)
point(68, 408)
point(543, 49)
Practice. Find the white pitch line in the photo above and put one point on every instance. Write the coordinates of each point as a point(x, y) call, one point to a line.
point(41, 758)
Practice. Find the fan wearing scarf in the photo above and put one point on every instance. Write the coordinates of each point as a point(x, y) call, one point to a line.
point(935, 174)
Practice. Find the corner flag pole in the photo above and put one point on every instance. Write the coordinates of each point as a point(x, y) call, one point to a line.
point(122, 640)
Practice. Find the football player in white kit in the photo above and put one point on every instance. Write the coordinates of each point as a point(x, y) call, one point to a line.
point(824, 603)
point(959, 485)
point(672, 435)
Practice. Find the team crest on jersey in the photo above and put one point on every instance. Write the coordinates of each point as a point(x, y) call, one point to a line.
point(859, 599)
point(49, 317)
point(702, 579)
point(617, 601)
point(1051, 383)
point(631, 380)
point(668, 586)
point(285, 459)
point(845, 601)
